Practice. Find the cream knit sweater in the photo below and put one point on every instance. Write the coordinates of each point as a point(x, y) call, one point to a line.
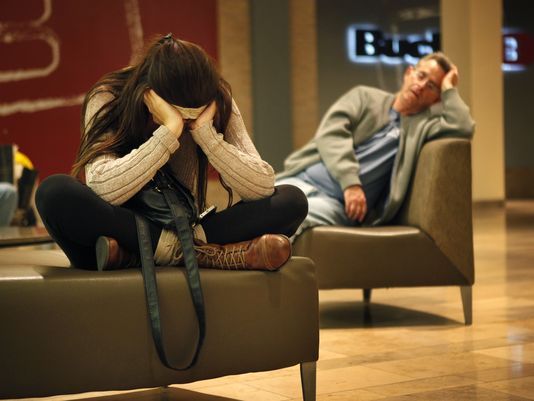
point(117, 179)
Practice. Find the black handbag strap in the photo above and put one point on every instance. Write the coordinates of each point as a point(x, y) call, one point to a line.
point(193, 277)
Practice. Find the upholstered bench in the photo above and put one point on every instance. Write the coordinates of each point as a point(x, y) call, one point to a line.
point(65, 330)
point(429, 244)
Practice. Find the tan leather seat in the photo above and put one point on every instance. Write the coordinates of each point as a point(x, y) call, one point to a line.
point(66, 330)
point(430, 243)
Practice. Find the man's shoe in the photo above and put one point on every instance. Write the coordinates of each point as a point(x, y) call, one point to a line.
point(110, 256)
point(268, 252)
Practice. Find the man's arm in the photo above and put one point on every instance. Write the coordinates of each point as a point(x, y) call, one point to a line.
point(455, 119)
point(335, 143)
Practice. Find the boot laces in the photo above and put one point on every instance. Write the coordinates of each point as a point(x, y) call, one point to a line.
point(222, 257)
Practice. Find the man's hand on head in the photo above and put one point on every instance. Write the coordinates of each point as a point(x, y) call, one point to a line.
point(355, 203)
point(450, 80)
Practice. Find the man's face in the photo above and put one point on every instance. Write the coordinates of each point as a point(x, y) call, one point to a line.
point(421, 87)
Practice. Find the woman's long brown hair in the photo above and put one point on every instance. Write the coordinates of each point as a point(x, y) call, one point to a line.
point(178, 71)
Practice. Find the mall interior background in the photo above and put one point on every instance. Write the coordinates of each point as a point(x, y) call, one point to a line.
point(287, 61)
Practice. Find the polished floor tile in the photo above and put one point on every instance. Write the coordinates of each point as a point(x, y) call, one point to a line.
point(421, 385)
point(467, 393)
point(522, 387)
point(512, 371)
point(518, 352)
point(342, 379)
point(242, 391)
point(441, 365)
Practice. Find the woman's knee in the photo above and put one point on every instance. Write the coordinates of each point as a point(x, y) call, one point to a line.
point(55, 192)
point(294, 200)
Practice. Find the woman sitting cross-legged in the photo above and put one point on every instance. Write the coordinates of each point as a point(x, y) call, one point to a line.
point(171, 110)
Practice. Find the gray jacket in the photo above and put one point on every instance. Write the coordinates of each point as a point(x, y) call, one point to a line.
point(357, 116)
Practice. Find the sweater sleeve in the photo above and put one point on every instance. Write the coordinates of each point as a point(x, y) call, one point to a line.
point(235, 158)
point(335, 141)
point(453, 119)
point(116, 179)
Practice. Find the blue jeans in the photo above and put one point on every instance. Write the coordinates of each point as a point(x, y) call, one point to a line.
point(8, 203)
point(323, 210)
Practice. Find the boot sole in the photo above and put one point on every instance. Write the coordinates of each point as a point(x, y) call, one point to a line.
point(102, 253)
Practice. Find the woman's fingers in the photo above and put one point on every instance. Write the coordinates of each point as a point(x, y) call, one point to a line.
point(207, 115)
point(163, 113)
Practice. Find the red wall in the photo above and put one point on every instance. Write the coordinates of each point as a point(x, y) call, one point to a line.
point(93, 38)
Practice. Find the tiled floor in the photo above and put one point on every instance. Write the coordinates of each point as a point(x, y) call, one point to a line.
point(414, 346)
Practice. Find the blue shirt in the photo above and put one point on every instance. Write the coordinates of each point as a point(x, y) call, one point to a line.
point(376, 157)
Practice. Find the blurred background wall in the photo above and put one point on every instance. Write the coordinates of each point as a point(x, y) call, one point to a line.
point(518, 22)
point(52, 51)
point(287, 61)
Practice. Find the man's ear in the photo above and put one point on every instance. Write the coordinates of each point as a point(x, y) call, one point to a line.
point(409, 70)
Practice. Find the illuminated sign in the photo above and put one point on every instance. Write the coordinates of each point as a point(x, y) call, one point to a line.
point(368, 44)
point(517, 50)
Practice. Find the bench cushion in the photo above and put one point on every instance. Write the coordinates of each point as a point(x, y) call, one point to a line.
point(66, 330)
point(376, 257)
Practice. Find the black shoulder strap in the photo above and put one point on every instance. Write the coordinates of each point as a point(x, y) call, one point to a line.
point(193, 278)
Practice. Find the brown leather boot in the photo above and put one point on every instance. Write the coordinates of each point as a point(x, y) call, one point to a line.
point(268, 252)
point(110, 256)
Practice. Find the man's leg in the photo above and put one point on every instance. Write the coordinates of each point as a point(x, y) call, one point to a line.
point(323, 210)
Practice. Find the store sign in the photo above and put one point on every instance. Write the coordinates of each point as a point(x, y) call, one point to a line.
point(366, 44)
point(518, 51)
point(370, 45)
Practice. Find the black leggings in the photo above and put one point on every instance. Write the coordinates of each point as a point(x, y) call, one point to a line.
point(75, 217)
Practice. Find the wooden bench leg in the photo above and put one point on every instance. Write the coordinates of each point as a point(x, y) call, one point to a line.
point(308, 373)
point(467, 302)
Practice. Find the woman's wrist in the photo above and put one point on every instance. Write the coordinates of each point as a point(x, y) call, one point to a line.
point(167, 138)
point(200, 124)
point(175, 127)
